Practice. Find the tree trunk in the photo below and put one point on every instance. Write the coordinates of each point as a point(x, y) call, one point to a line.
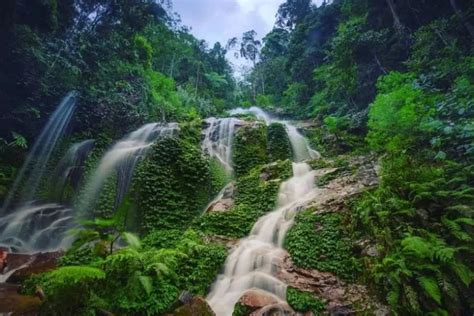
point(172, 66)
point(459, 13)
point(263, 83)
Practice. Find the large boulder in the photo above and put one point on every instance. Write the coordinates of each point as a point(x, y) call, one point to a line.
point(197, 306)
point(258, 303)
point(224, 201)
point(27, 265)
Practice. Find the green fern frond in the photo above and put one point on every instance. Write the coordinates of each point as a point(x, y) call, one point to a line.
point(393, 297)
point(418, 246)
point(463, 273)
point(431, 288)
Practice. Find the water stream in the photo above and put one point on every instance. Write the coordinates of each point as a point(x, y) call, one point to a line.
point(122, 159)
point(35, 164)
point(252, 264)
point(70, 168)
point(301, 149)
point(218, 140)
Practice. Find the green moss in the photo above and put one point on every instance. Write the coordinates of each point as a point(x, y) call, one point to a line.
point(241, 310)
point(304, 301)
point(219, 177)
point(279, 146)
point(250, 148)
point(172, 185)
point(320, 242)
point(255, 197)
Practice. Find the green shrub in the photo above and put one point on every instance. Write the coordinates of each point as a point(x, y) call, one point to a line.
point(250, 148)
point(304, 301)
point(279, 146)
point(320, 242)
point(254, 198)
point(171, 185)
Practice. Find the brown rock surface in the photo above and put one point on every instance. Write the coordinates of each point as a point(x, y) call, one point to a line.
point(197, 306)
point(11, 302)
point(33, 264)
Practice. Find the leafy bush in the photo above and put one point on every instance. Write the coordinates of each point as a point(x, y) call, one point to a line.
point(279, 146)
point(304, 301)
point(255, 197)
point(70, 290)
point(319, 242)
point(172, 184)
point(250, 148)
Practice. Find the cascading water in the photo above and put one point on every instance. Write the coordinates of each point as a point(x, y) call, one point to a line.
point(122, 158)
point(218, 140)
point(70, 168)
point(33, 169)
point(252, 264)
point(301, 149)
point(33, 228)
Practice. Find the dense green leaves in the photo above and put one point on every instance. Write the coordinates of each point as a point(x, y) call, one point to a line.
point(319, 242)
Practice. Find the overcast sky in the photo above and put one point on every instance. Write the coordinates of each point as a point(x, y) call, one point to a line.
point(220, 20)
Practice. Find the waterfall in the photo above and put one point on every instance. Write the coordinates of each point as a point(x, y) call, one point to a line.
point(35, 164)
point(252, 264)
point(218, 140)
point(301, 149)
point(122, 158)
point(70, 168)
point(33, 228)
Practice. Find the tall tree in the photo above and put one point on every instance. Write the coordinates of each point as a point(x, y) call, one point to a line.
point(292, 12)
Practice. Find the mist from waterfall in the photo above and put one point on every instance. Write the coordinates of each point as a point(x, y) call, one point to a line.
point(301, 148)
point(218, 140)
point(252, 264)
point(32, 171)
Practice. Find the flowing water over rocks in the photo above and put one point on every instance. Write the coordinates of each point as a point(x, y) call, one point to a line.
point(32, 170)
point(252, 264)
point(301, 149)
point(34, 228)
point(70, 168)
point(218, 140)
point(122, 158)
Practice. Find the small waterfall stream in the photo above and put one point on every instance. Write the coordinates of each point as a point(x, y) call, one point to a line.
point(35, 164)
point(28, 226)
point(70, 168)
point(252, 264)
point(218, 140)
point(122, 158)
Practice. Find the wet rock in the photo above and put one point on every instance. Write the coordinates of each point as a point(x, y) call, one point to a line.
point(255, 299)
point(371, 251)
point(197, 306)
point(226, 241)
point(13, 303)
point(340, 297)
point(32, 264)
point(224, 200)
point(3, 260)
point(260, 303)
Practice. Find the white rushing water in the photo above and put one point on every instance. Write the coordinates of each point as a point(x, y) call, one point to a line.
point(70, 168)
point(33, 228)
point(218, 140)
point(35, 164)
point(252, 264)
point(301, 149)
point(122, 159)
